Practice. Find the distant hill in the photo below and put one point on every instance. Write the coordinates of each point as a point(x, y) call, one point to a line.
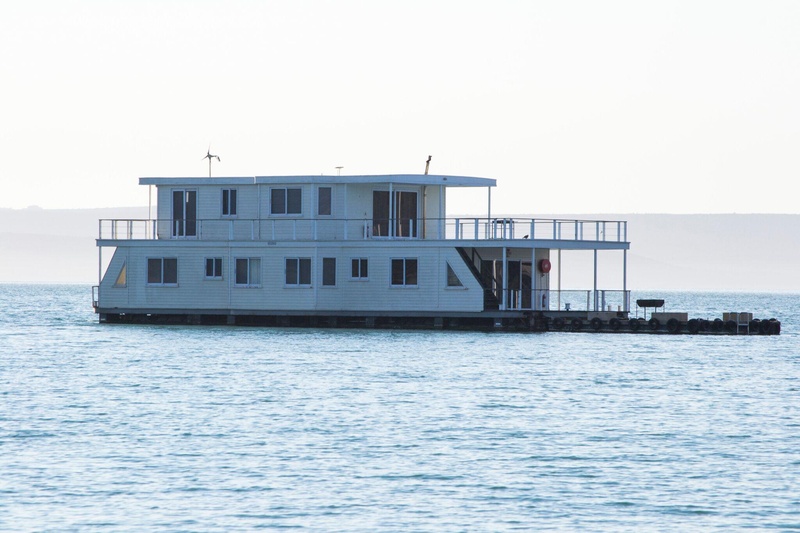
point(53, 245)
point(728, 252)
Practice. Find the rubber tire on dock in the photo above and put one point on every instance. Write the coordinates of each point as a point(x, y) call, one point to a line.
point(614, 324)
point(558, 323)
point(635, 324)
point(596, 324)
point(764, 327)
point(693, 326)
point(705, 325)
point(576, 324)
point(731, 327)
point(653, 324)
point(717, 325)
point(674, 325)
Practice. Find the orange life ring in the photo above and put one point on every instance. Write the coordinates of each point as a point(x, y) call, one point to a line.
point(544, 266)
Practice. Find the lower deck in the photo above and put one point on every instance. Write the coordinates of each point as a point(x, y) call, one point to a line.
point(515, 321)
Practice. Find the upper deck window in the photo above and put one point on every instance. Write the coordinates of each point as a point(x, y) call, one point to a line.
point(324, 201)
point(228, 202)
point(286, 201)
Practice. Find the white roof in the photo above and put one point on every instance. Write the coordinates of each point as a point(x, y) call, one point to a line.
point(397, 179)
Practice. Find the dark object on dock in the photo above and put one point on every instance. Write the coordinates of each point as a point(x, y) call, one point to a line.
point(650, 303)
point(655, 304)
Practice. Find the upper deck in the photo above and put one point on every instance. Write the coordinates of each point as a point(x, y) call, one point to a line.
point(395, 207)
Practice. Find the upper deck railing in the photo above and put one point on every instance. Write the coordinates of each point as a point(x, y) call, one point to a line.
point(328, 229)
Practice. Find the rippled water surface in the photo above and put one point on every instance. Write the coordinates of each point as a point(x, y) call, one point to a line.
point(121, 427)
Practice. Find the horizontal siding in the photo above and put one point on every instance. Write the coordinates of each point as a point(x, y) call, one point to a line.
point(376, 294)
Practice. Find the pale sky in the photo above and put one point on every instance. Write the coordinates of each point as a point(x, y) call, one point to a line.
point(573, 106)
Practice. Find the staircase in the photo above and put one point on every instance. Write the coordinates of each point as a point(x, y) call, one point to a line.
point(490, 300)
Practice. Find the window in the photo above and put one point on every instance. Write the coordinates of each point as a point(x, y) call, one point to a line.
point(228, 202)
point(248, 272)
point(184, 213)
point(452, 277)
point(122, 278)
point(328, 271)
point(162, 271)
point(360, 270)
point(324, 201)
point(286, 201)
point(398, 219)
point(298, 271)
point(404, 272)
point(213, 268)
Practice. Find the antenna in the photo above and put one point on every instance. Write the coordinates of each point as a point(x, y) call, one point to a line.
point(339, 171)
point(427, 164)
point(209, 156)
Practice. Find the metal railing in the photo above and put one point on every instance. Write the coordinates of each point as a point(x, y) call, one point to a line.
point(565, 300)
point(307, 229)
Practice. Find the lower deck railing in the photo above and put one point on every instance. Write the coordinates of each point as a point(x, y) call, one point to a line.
point(564, 300)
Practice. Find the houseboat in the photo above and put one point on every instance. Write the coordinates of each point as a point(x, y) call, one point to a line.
point(347, 251)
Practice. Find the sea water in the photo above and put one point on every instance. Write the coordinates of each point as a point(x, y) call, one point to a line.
point(134, 428)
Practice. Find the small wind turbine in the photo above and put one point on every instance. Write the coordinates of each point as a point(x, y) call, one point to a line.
point(209, 156)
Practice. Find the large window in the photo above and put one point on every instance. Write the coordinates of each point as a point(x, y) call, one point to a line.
point(298, 271)
point(404, 272)
point(395, 219)
point(360, 269)
point(228, 202)
point(248, 272)
point(162, 271)
point(213, 268)
point(328, 271)
point(184, 213)
point(324, 201)
point(286, 201)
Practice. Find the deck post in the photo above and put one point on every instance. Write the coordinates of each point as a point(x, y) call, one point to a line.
point(442, 221)
point(535, 305)
point(595, 280)
point(625, 281)
point(489, 209)
point(505, 278)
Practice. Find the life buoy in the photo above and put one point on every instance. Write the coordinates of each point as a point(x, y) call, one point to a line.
point(544, 266)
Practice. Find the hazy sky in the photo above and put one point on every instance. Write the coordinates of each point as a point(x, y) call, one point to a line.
point(577, 107)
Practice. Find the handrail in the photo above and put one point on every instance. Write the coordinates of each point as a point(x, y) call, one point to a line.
point(310, 229)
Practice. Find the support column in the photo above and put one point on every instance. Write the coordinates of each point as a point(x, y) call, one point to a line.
point(559, 279)
point(505, 279)
point(536, 302)
point(595, 280)
point(442, 221)
point(489, 213)
point(625, 297)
